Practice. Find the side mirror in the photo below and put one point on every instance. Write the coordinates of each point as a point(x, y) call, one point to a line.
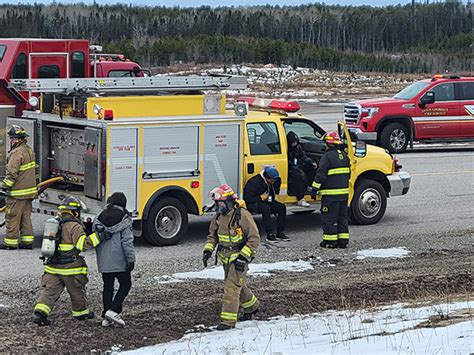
point(427, 98)
point(360, 149)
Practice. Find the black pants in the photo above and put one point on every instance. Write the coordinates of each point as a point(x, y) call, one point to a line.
point(267, 209)
point(335, 223)
point(299, 178)
point(125, 284)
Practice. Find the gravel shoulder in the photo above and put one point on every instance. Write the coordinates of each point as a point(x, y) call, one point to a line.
point(162, 312)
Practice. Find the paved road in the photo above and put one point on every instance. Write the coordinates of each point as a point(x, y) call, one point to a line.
point(439, 202)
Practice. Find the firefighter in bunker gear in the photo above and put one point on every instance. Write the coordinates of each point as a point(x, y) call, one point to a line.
point(66, 268)
point(235, 235)
point(332, 183)
point(20, 187)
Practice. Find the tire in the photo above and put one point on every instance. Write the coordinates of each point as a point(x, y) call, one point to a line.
point(395, 138)
point(167, 222)
point(369, 202)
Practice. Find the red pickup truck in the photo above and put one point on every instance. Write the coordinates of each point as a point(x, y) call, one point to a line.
point(436, 109)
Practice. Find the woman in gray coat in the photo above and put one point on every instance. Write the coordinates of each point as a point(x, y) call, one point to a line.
point(115, 256)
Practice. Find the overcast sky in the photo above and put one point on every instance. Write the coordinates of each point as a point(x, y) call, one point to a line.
point(195, 3)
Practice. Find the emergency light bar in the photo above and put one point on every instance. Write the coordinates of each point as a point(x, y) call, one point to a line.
point(271, 104)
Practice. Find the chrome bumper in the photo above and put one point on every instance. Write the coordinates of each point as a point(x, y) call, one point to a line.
point(369, 137)
point(399, 183)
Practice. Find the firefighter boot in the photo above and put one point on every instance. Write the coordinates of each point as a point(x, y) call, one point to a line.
point(25, 246)
point(326, 244)
point(6, 247)
point(41, 319)
point(89, 315)
point(224, 327)
point(248, 316)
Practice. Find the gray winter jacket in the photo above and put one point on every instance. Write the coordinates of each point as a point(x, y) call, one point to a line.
point(116, 249)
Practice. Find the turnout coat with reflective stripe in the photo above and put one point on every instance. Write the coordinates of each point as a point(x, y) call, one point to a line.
point(332, 177)
point(73, 240)
point(21, 172)
point(233, 239)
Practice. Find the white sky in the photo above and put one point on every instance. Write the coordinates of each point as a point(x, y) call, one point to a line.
point(214, 3)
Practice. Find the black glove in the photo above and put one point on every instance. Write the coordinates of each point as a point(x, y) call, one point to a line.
point(314, 192)
point(206, 255)
point(240, 263)
point(130, 266)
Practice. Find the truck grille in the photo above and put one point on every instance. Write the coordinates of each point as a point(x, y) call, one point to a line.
point(351, 113)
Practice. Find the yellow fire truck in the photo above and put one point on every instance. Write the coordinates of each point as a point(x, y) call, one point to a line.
point(167, 141)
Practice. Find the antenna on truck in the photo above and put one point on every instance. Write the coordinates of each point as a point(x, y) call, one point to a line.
point(128, 86)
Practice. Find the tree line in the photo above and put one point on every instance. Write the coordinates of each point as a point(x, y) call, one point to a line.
point(410, 38)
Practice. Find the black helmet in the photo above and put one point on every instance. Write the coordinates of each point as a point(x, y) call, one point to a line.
point(70, 203)
point(17, 132)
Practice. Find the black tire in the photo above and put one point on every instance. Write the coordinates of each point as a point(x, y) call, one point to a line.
point(369, 203)
point(395, 138)
point(167, 222)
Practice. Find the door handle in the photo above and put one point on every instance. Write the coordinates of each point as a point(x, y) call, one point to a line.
point(250, 168)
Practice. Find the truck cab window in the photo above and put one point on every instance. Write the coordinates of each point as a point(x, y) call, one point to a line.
point(78, 65)
point(444, 92)
point(467, 90)
point(3, 49)
point(263, 138)
point(20, 70)
point(120, 73)
point(48, 72)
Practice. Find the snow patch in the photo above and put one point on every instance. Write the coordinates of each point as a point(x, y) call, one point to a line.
point(387, 330)
point(217, 272)
point(400, 252)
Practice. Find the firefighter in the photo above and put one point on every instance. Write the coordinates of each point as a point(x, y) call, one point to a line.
point(332, 183)
point(66, 268)
point(235, 234)
point(20, 187)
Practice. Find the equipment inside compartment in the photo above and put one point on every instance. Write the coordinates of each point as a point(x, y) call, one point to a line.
point(66, 154)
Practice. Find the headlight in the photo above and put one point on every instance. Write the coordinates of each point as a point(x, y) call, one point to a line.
point(368, 112)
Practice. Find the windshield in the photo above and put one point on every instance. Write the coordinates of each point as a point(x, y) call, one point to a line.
point(410, 91)
point(3, 49)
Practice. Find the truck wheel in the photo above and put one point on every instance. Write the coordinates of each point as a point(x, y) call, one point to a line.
point(167, 222)
point(395, 138)
point(369, 202)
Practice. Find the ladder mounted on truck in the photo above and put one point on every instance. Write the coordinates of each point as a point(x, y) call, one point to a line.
point(114, 86)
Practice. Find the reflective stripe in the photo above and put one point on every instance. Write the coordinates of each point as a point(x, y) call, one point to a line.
point(228, 316)
point(80, 313)
point(227, 260)
point(27, 238)
point(224, 238)
point(66, 272)
point(80, 242)
point(8, 182)
point(209, 247)
point(43, 308)
point(337, 171)
point(236, 238)
point(330, 237)
point(334, 192)
point(316, 185)
point(66, 247)
point(31, 165)
point(10, 242)
point(246, 251)
point(23, 192)
point(343, 235)
point(95, 241)
point(250, 303)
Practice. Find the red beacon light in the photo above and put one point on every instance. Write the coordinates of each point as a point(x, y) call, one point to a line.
point(108, 115)
point(271, 104)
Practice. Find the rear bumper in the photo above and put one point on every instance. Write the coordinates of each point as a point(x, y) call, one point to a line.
point(399, 183)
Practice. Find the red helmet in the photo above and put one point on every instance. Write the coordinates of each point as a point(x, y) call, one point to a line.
point(223, 193)
point(332, 138)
